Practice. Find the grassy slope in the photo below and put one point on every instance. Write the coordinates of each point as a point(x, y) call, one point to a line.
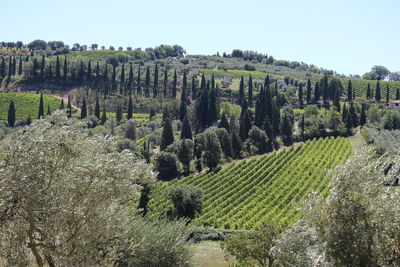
point(26, 104)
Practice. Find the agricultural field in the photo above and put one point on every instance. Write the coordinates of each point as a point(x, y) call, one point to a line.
point(26, 104)
point(247, 193)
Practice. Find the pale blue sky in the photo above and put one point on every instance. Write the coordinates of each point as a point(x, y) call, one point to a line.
point(347, 36)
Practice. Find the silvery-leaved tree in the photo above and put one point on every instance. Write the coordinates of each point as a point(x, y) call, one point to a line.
point(63, 195)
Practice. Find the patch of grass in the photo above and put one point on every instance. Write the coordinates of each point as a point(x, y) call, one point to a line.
point(26, 104)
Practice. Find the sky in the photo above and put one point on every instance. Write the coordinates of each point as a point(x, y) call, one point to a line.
point(348, 36)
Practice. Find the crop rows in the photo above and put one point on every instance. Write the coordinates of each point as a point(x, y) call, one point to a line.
point(249, 192)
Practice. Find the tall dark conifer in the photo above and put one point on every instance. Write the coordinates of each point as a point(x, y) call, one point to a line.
point(369, 95)
point(97, 108)
point(129, 114)
point(183, 107)
point(69, 107)
point(301, 103)
point(19, 66)
point(378, 95)
point(336, 100)
point(147, 83)
point(83, 109)
point(349, 92)
point(11, 114)
point(58, 72)
point(130, 80)
point(61, 104)
point(174, 85)
point(2, 68)
point(241, 91)
point(41, 107)
point(397, 94)
point(42, 66)
point(194, 89)
point(122, 80)
point(104, 114)
point(138, 85)
point(165, 83)
point(308, 93)
point(186, 132)
point(250, 91)
point(65, 72)
point(167, 136)
point(155, 82)
point(317, 95)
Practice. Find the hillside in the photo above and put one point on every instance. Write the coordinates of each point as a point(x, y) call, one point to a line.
point(26, 104)
point(248, 193)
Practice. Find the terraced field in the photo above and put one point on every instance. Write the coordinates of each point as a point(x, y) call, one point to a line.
point(249, 192)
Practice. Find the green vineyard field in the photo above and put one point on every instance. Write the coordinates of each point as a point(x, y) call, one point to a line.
point(247, 193)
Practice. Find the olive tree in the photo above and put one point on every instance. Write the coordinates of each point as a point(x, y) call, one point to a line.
point(61, 190)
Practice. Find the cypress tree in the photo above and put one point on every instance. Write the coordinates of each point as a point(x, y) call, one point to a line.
point(286, 129)
point(363, 116)
point(155, 83)
point(369, 91)
point(165, 83)
point(81, 73)
point(14, 66)
point(224, 123)
point(122, 80)
point(203, 82)
point(105, 79)
point(97, 108)
point(147, 83)
point(325, 92)
point(269, 131)
point(276, 116)
point(118, 114)
point(336, 100)
point(61, 104)
point(167, 136)
point(378, 95)
point(183, 107)
point(186, 132)
point(89, 73)
point(349, 92)
point(2, 68)
point(65, 73)
point(250, 92)
point(97, 78)
point(48, 110)
point(344, 113)
point(83, 109)
point(348, 122)
point(34, 68)
point(184, 83)
point(139, 88)
point(202, 108)
point(174, 86)
point(114, 80)
point(301, 103)
point(194, 90)
point(69, 107)
point(19, 67)
point(130, 80)
point(9, 74)
point(50, 74)
point(11, 114)
point(58, 75)
point(316, 93)
point(387, 94)
point(353, 115)
point(129, 114)
point(213, 106)
point(241, 91)
point(308, 93)
point(42, 65)
point(41, 107)
point(104, 114)
point(245, 126)
point(397, 94)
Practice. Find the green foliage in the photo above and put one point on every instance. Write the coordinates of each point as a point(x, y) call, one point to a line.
point(187, 201)
point(247, 193)
point(26, 104)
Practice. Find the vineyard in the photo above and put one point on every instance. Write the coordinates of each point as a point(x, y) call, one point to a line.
point(247, 193)
point(26, 104)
